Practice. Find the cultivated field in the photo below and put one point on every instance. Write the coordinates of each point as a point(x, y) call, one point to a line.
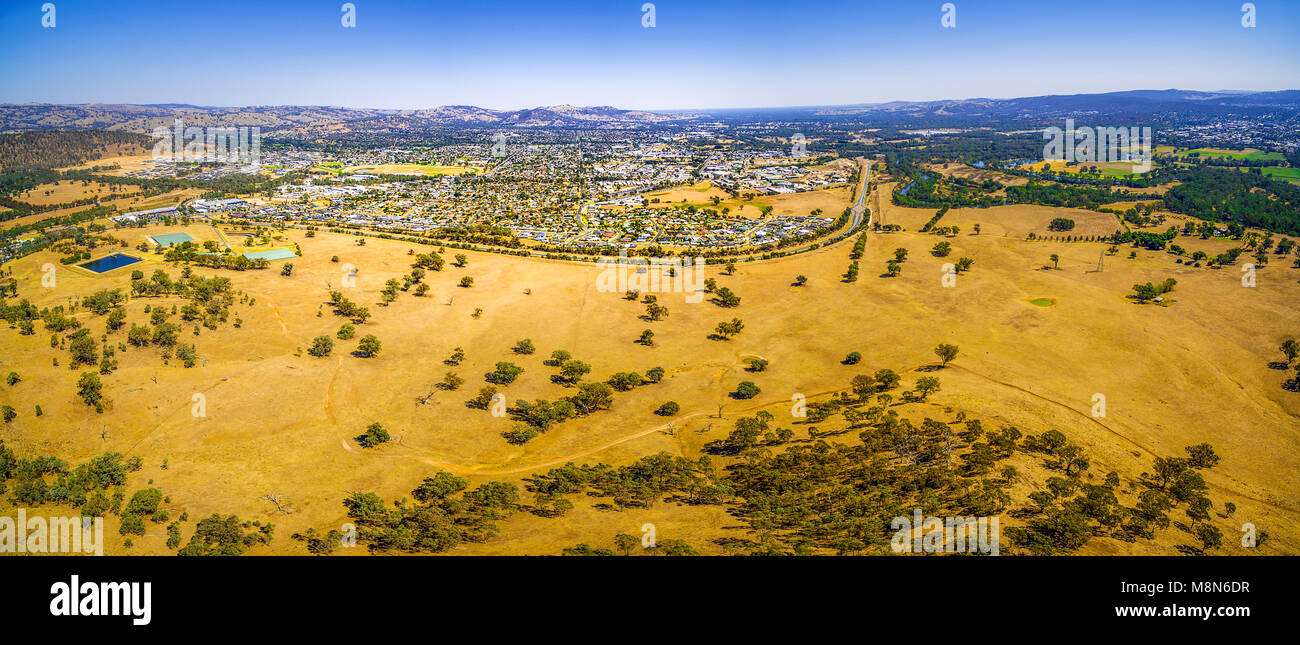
point(1249, 154)
point(1287, 174)
point(1111, 168)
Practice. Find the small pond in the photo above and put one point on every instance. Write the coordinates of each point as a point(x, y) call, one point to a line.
point(110, 262)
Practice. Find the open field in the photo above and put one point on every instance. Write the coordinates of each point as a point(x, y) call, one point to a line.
point(1015, 220)
point(1248, 154)
point(1123, 206)
point(123, 204)
point(1019, 220)
point(832, 201)
point(699, 194)
point(1105, 168)
point(128, 163)
point(1287, 174)
point(280, 420)
point(1153, 190)
point(68, 190)
point(977, 174)
point(157, 201)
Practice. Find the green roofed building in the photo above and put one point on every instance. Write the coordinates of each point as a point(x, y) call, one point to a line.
point(168, 239)
point(273, 254)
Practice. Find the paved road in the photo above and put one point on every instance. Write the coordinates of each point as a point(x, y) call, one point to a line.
point(582, 224)
point(861, 205)
point(859, 208)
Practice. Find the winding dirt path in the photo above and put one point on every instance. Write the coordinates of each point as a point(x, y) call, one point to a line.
point(278, 318)
point(474, 470)
point(329, 391)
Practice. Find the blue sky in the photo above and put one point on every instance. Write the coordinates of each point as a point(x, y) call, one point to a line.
point(727, 53)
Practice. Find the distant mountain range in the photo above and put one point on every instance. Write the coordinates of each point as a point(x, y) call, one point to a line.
point(321, 120)
point(286, 119)
point(1134, 101)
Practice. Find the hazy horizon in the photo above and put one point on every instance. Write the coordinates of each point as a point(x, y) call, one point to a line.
point(667, 110)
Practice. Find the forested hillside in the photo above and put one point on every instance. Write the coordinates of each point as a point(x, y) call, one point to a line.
point(54, 149)
point(1246, 198)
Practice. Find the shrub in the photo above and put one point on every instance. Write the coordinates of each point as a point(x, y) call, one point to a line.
point(520, 434)
point(624, 381)
point(1060, 224)
point(505, 373)
point(90, 388)
point(144, 502)
point(187, 354)
point(321, 346)
point(375, 434)
point(452, 381)
point(369, 345)
point(131, 525)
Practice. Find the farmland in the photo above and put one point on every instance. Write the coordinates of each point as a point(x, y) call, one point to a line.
point(256, 377)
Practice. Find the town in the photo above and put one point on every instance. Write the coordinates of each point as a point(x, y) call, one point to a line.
point(562, 197)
